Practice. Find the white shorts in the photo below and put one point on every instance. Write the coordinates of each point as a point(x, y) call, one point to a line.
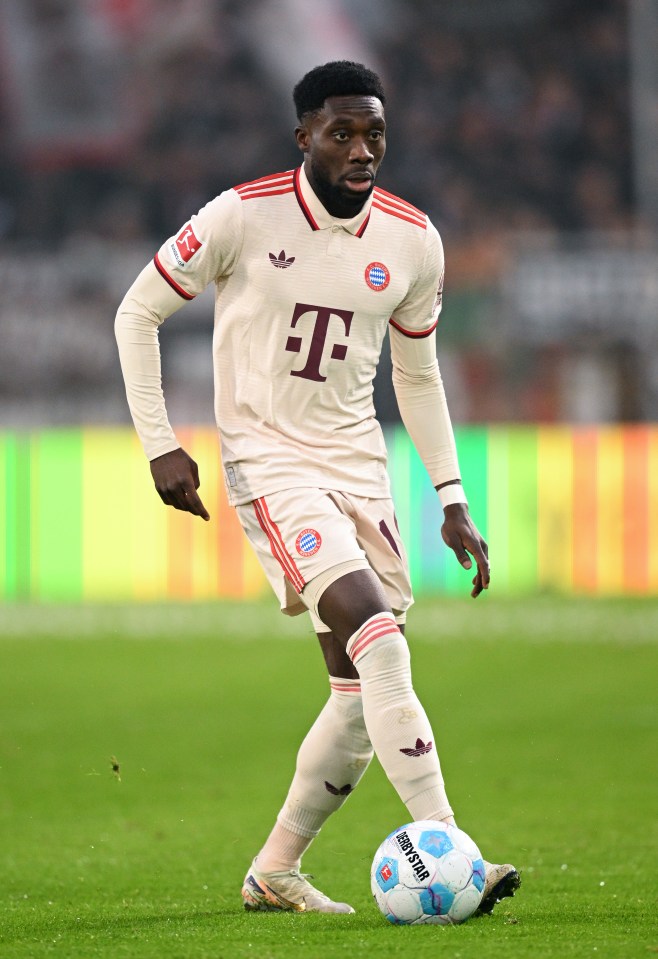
point(299, 534)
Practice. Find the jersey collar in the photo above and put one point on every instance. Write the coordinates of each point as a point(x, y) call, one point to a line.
point(318, 217)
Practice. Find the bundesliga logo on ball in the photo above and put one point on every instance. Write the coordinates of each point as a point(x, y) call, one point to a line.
point(427, 872)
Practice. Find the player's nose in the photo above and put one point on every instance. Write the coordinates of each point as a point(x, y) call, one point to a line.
point(361, 152)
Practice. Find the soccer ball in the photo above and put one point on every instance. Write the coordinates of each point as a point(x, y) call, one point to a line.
point(427, 872)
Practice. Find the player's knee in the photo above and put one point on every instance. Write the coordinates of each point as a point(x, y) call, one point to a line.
point(337, 661)
point(379, 641)
point(347, 598)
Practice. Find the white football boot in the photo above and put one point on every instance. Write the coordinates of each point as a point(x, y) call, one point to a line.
point(500, 882)
point(288, 891)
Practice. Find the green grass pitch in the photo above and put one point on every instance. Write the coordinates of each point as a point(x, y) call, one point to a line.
point(545, 713)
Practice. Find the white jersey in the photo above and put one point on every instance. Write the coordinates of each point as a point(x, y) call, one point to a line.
point(303, 301)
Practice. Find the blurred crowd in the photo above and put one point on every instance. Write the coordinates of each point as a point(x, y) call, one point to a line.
point(503, 115)
point(506, 117)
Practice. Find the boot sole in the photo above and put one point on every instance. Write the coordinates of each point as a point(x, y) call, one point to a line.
point(504, 889)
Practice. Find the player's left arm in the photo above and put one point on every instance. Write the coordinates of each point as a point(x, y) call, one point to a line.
point(424, 409)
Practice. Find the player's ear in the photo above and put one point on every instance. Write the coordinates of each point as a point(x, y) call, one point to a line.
point(303, 138)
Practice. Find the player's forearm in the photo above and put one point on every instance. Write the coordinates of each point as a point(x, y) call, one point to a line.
point(423, 407)
point(144, 307)
point(424, 411)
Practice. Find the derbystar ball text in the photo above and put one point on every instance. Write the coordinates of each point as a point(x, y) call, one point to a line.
point(413, 858)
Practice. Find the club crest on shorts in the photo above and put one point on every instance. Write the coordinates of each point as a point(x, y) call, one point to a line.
point(377, 276)
point(308, 542)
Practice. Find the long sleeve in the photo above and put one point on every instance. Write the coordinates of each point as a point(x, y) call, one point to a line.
point(423, 407)
point(148, 302)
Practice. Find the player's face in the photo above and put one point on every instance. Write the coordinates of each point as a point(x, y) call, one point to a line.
point(343, 145)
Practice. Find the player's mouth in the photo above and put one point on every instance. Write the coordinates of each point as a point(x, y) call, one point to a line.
point(360, 181)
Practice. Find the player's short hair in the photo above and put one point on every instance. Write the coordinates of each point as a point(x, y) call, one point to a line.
point(340, 78)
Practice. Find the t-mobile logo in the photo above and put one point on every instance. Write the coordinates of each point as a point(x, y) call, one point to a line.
point(323, 315)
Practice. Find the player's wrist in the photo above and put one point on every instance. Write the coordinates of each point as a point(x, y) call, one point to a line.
point(451, 493)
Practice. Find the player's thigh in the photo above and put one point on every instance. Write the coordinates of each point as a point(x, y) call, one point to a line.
point(300, 535)
point(343, 603)
point(378, 535)
point(343, 598)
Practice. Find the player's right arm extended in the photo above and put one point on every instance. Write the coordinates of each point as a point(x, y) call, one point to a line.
point(148, 302)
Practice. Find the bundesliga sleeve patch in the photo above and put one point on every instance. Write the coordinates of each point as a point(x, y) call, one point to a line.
point(377, 276)
point(308, 542)
point(185, 245)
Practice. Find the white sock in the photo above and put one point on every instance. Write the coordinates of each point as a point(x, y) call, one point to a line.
point(396, 721)
point(330, 762)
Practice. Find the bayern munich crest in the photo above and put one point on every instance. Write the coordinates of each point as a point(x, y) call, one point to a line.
point(377, 276)
point(308, 542)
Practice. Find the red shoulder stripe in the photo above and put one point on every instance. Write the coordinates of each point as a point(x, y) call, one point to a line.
point(251, 196)
point(399, 201)
point(401, 216)
point(172, 283)
point(416, 334)
point(402, 207)
point(273, 177)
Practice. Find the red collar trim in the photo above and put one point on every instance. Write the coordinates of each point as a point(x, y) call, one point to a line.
point(302, 202)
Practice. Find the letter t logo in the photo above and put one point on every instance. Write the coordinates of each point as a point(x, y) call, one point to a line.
point(311, 370)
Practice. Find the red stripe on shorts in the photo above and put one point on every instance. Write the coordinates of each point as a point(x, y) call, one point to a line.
point(278, 547)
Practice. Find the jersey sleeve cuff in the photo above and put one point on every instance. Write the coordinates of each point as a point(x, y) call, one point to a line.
point(170, 280)
point(415, 334)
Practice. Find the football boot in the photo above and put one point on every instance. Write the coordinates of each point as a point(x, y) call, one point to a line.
point(287, 891)
point(500, 882)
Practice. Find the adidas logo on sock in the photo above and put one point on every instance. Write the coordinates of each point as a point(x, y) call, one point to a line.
point(343, 791)
point(419, 748)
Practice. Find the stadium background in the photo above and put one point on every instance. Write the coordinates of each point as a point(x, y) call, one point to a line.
point(149, 712)
point(526, 129)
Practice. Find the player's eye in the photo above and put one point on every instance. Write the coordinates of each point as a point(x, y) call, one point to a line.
point(341, 135)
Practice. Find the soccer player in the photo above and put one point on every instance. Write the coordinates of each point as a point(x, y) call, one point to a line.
point(311, 267)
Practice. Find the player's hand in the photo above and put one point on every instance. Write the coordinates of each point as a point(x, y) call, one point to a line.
point(461, 535)
point(176, 478)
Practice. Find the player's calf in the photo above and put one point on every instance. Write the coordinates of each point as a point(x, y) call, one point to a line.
point(395, 719)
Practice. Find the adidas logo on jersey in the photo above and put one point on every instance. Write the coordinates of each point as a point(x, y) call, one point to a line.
point(280, 261)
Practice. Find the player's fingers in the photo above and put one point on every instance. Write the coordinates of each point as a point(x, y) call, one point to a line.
point(172, 496)
point(192, 503)
point(480, 552)
point(184, 496)
point(478, 585)
point(484, 573)
point(456, 545)
point(462, 556)
point(195, 474)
